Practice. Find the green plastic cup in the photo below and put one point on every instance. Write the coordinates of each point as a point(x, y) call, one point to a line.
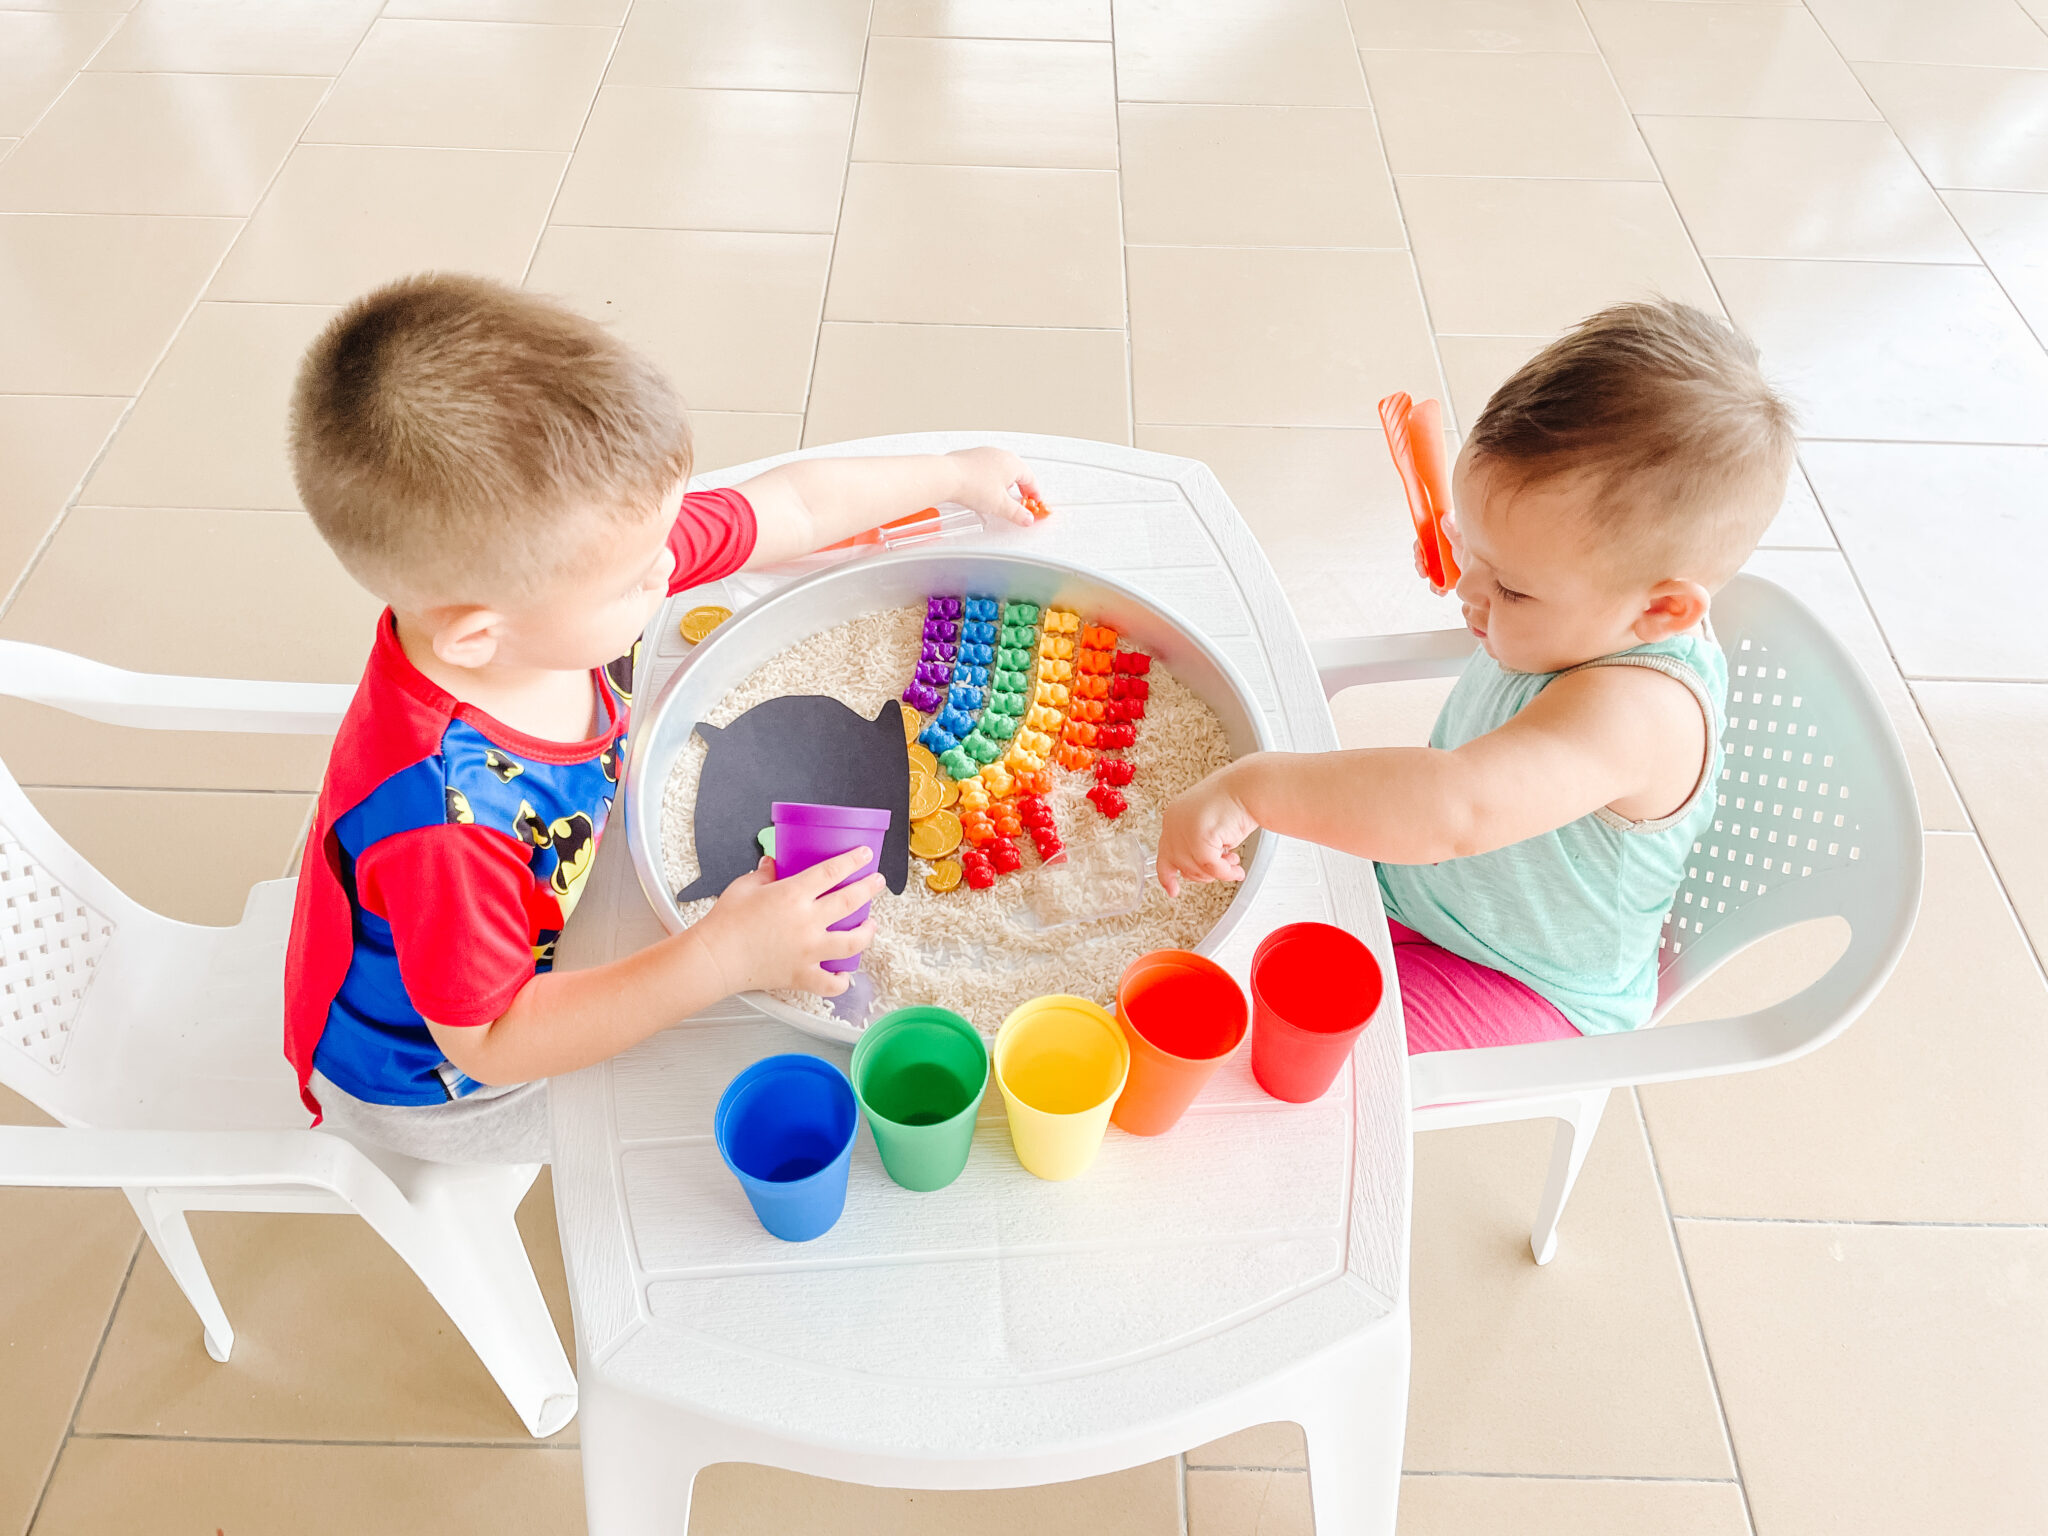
point(919, 1074)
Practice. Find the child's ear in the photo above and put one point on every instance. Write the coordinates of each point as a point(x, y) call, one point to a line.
point(1672, 609)
point(466, 637)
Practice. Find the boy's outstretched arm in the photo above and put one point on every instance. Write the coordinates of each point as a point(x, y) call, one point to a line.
point(810, 503)
point(1611, 736)
point(762, 932)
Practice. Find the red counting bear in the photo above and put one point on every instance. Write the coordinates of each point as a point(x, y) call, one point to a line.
point(1109, 801)
point(1133, 663)
point(1122, 734)
point(1115, 771)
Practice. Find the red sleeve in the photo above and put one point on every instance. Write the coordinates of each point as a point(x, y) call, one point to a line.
point(713, 537)
point(457, 898)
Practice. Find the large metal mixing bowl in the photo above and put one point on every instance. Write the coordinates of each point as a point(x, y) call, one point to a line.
point(760, 632)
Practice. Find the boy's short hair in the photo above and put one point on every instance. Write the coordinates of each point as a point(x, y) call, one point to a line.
point(452, 438)
point(1666, 410)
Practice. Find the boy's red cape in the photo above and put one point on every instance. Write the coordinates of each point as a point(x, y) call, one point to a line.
point(391, 724)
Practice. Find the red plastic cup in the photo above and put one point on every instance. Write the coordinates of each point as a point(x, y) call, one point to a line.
point(1183, 1016)
point(810, 834)
point(1314, 988)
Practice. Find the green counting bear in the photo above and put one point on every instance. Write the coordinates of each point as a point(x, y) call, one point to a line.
point(1007, 701)
point(1020, 636)
point(1013, 658)
point(1020, 613)
point(980, 748)
point(1000, 727)
point(958, 764)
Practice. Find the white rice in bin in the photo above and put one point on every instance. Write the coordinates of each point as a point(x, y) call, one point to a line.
point(981, 953)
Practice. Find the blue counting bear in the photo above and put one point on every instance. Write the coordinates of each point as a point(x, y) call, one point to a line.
point(978, 632)
point(936, 737)
point(977, 655)
point(972, 676)
point(962, 696)
point(981, 607)
point(955, 720)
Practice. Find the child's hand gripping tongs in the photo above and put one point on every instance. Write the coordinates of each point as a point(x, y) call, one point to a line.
point(1415, 436)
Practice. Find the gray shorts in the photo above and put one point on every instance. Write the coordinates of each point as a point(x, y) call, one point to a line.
point(492, 1125)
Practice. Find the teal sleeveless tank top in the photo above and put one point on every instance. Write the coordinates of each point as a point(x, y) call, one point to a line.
point(1575, 913)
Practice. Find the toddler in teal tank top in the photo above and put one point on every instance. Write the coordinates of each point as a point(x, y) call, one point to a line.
point(1527, 856)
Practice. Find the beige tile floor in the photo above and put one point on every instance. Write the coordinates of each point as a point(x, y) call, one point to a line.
point(1806, 1301)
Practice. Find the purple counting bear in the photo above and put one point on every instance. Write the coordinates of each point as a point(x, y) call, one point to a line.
point(941, 629)
point(922, 697)
point(938, 650)
point(942, 607)
point(937, 673)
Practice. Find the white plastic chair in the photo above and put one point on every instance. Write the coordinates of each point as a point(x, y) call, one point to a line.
point(157, 1045)
point(1816, 817)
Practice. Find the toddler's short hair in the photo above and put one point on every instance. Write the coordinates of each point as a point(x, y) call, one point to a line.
point(1666, 411)
point(453, 437)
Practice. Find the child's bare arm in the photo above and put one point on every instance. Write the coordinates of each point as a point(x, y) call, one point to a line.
point(1625, 737)
point(762, 932)
point(809, 503)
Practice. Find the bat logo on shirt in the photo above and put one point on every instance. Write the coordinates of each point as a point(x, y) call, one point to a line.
point(608, 760)
point(529, 828)
point(575, 843)
point(504, 767)
point(620, 673)
point(458, 807)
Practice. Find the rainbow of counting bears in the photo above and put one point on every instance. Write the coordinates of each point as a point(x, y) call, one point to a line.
point(1013, 691)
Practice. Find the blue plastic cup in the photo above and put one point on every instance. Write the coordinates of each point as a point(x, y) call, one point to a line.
point(785, 1127)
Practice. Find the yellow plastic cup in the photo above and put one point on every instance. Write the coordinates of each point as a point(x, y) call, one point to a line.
point(1061, 1062)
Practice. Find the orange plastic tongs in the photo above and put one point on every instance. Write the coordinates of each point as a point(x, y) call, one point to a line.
point(1415, 437)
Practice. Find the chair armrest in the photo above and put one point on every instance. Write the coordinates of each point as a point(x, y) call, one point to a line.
point(1360, 659)
point(1667, 1053)
point(160, 702)
point(70, 1157)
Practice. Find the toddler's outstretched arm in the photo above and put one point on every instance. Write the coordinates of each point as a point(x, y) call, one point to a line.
point(1625, 737)
point(810, 503)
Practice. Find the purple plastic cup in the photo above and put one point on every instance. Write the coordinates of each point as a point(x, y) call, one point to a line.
point(810, 834)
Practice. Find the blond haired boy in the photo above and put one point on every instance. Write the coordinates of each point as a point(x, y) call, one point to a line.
point(1528, 854)
point(510, 478)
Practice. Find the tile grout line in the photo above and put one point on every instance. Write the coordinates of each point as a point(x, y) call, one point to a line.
point(51, 105)
point(1692, 1307)
point(1855, 1221)
point(35, 558)
point(803, 427)
point(1575, 1477)
point(569, 160)
point(133, 1437)
point(2040, 339)
point(91, 1370)
point(1855, 577)
point(1379, 138)
point(1123, 264)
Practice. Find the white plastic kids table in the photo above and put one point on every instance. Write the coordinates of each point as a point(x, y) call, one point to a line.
point(1249, 1266)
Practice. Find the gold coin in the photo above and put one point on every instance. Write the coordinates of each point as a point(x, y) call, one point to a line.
point(699, 622)
point(945, 875)
point(921, 759)
point(949, 793)
point(913, 722)
point(934, 836)
point(924, 796)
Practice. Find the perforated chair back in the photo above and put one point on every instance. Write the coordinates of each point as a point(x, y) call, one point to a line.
point(1814, 814)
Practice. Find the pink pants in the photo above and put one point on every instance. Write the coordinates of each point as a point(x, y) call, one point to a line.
point(1455, 1004)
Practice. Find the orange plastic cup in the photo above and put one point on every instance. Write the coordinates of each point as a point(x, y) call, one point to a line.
point(1183, 1015)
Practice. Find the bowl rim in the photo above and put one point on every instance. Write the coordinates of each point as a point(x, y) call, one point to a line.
point(645, 849)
